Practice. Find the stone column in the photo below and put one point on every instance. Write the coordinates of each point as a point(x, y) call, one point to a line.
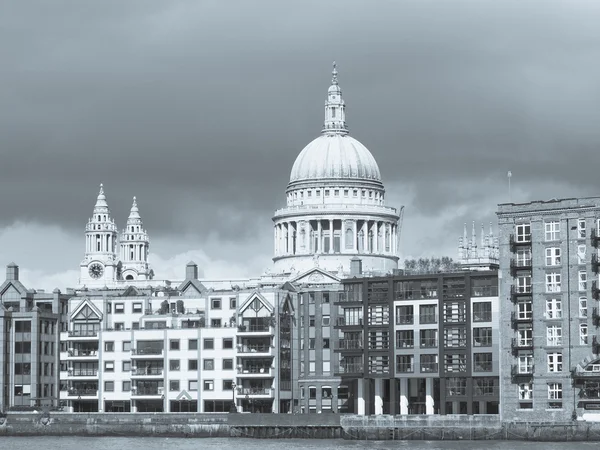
point(330, 235)
point(319, 248)
point(376, 237)
point(365, 229)
point(355, 236)
point(403, 395)
point(429, 396)
point(275, 249)
point(290, 228)
point(378, 396)
point(360, 397)
point(342, 236)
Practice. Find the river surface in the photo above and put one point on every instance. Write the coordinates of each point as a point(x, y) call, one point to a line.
point(159, 443)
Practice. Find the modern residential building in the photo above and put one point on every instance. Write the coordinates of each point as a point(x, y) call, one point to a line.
point(550, 357)
point(420, 344)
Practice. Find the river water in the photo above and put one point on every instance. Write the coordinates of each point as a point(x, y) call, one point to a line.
point(158, 443)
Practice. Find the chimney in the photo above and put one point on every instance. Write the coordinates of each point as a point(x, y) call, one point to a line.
point(191, 271)
point(12, 272)
point(355, 267)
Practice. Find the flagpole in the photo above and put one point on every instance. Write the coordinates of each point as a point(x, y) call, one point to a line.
point(509, 175)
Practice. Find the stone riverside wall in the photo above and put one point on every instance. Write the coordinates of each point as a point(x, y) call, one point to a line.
point(319, 426)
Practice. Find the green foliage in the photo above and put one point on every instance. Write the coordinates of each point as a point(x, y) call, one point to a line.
point(430, 265)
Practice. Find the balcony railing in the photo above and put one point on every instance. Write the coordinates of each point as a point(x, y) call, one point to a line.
point(146, 351)
point(429, 367)
point(520, 291)
point(147, 391)
point(255, 370)
point(254, 328)
point(594, 238)
point(350, 344)
point(524, 240)
point(82, 392)
point(352, 368)
point(82, 353)
point(83, 333)
point(595, 263)
point(254, 391)
point(148, 371)
point(429, 343)
point(406, 343)
point(405, 367)
point(519, 264)
point(254, 348)
point(521, 371)
point(83, 373)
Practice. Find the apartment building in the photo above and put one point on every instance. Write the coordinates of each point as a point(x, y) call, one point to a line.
point(420, 344)
point(549, 314)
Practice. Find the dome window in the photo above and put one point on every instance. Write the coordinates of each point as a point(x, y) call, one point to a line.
point(309, 194)
point(336, 193)
point(345, 192)
point(318, 193)
point(326, 192)
point(355, 193)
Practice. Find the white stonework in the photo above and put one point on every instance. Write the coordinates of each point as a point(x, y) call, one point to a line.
point(335, 204)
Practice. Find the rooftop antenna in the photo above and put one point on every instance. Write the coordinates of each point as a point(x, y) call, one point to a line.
point(509, 175)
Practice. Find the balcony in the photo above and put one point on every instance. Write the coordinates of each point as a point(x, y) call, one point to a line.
point(147, 353)
point(429, 367)
point(149, 372)
point(83, 392)
point(147, 392)
point(255, 392)
point(595, 317)
point(515, 320)
point(82, 354)
point(264, 326)
point(83, 373)
point(78, 334)
point(517, 372)
point(523, 240)
point(591, 371)
point(429, 343)
point(352, 368)
point(595, 346)
point(595, 263)
point(254, 350)
point(405, 367)
point(520, 344)
point(595, 291)
point(517, 265)
point(255, 371)
point(349, 344)
point(342, 322)
point(594, 238)
point(520, 291)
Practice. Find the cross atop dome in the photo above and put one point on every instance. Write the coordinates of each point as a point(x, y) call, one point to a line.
point(335, 109)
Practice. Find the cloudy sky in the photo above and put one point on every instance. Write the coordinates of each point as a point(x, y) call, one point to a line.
point(199, 108)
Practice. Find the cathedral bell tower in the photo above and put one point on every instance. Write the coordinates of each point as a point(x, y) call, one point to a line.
point(99, 264)
point(134, 246)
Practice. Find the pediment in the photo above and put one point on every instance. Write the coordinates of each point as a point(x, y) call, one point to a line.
point(256, 303)
point(86, 311)
point(12, 289)
point(131, 291)
point(316, 276)
point(191, 288)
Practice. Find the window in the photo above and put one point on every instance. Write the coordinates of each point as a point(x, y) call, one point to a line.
point(583, 334)
point(554, 362)
point(325, 321)
point(553, 256)
point(119, 326)
point(109, 366)
point(405, 363)
point(174, 385)
point(404, 315)
point(582, 280)
point(583, 312)
point(552, 230)
point(192, 364)
point(311, 321)
point(208, 385)
point(325, 297)
point(428, 314)
point(523, 257)
point(326, 192)
point(524, 284)
point(126, 366)
point(209, 364)
point(312, 392)
point(553, 282)
point(193, 344)
point(215, 323)
point(581, 229)
point(174, 344)
point(227, 343)
point(553, 308)
point(523, 232)
point(109, 346)
point(119, 308)
point(482, 362)
point(525, 363)
point(429, 363)
point(525, 391)
point(428, 338)
point(215, 303)
point(136, 308)
point(525, 335)
point(232, 302)
point(581, 251)
point(209, 344)
point(193, 385)
point(311, 343)
point(482, 337)
point(455, 362)
point(345, 192)
point(174, 364)
point(109, 386)
point(555, 395)
point(228, 364)
point(524, 310)
point(554, 335)
point(482, 312)
point(311, 297)
point(126, 346)
point(126, 386)
point(228, 385)
point(405, 339)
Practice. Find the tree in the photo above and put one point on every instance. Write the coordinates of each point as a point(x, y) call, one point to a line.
point(430, 265)
point(164, 307)
point(180, 308)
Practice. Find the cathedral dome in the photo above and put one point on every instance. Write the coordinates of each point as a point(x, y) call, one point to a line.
point(335, 157)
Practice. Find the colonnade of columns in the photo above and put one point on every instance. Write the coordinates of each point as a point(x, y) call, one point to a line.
point(363, 397)
point(100, 242)
point(329, 236)
point(140, 251)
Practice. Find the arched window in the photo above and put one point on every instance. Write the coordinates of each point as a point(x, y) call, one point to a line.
point(129, 277)
point(132, 228)
point(99, 218)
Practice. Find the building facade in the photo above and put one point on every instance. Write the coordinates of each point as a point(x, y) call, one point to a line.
point(420, 344)
point(549, 289)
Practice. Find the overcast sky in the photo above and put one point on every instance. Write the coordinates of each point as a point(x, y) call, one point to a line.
point(199, 108)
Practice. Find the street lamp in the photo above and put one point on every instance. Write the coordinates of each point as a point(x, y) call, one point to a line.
point(233, 408)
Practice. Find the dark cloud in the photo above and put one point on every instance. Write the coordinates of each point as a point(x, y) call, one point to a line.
point(200, 108)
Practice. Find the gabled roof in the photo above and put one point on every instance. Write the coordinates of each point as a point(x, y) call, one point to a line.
point(253, 296)
point(316, 275)
point(288, 286)
point(15, 284)
point(195, 285)
point(79, 308)
point(130, 291)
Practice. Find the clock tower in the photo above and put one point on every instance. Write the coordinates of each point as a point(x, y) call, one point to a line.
point(99, 265)
point(134, 246)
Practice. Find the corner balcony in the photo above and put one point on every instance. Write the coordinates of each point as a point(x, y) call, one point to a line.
point(256, 330)
point(147, 373)
point(85, 355)
point(147, 353)
point(250, 350)
point(255, 392)
point(349, 345)
point(82, 335)
point(256, 372)
point(351, 369)
point(83, 373)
